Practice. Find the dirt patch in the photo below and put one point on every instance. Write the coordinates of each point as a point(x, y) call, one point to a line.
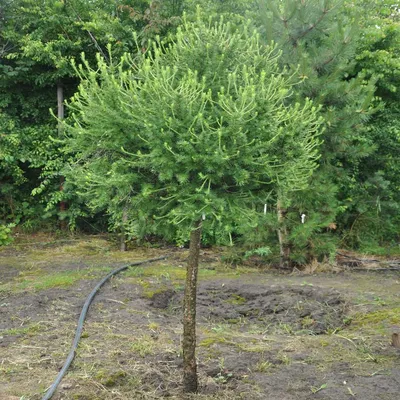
point(300, 309)
point(8, 273)
point(163, 299)
point(260, 335)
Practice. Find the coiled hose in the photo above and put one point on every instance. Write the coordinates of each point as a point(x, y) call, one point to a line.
point(79, 329)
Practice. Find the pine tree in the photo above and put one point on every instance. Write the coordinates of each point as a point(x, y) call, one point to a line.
point(374, 198)
point(194, 133)
point(318, 40)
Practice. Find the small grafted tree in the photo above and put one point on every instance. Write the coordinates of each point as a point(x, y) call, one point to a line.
point(196, 133)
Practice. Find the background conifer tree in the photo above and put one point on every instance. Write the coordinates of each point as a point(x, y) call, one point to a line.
point(319, 40)
point(373, 214)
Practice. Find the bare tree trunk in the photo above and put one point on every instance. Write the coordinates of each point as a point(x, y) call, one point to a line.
point(123, 246)
point(60, 114)
point(60, 106)
point(190, 382)
point(284, 247)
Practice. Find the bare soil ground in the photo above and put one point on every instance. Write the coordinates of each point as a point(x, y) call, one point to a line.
point(261, 334)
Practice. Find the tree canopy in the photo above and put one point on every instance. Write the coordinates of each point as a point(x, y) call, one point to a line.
point(201, 126)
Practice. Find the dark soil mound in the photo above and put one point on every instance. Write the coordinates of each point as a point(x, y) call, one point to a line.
point(295, 309)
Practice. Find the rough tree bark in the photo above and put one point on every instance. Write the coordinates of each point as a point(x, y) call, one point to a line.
point(396, 339)
point(60, 115)
point(284, 247)
point(123, 245)
point(190, 382)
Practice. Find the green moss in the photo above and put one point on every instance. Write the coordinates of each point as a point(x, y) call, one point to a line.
point(236, 300)
point(143, 283)
point(154, 326)
point(109, 378)
point(324, 343)
point(210, 341)
point(234, 321)
point(377, 319)
point(150, 292)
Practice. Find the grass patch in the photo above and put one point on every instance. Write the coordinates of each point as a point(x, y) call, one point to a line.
point(212, 340)
point(144, 346)
point(78, 248)
point(63, 279)
point(360, 353)
point(165, 272)
point(376, 320)
point(29, 330)
point(110, 378)
point(37, 280)
point(254, 346)
point(263, 366)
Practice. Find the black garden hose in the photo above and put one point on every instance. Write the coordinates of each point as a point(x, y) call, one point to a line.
point(71, 355)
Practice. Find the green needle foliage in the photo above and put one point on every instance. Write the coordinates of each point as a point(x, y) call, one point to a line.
point(198, 127)
point(319, 41)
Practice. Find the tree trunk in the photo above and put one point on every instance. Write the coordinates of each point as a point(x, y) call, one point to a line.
point(190, 382)
point(396, 339)
point(60, 115)
point(123, 246)
point(284, 248)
